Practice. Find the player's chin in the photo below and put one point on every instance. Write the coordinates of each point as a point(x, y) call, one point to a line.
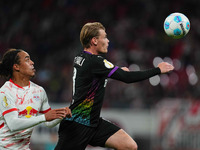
point(33, 74)
point(105, 51)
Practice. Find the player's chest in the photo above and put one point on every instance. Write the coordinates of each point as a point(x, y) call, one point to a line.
point(27, 97)
point(28, 103)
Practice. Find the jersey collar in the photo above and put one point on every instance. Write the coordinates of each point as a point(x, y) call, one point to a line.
point(87, 52)
point(17, 84)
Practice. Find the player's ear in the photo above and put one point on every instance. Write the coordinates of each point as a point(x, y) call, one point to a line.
point(94, 41)
point(16, 67)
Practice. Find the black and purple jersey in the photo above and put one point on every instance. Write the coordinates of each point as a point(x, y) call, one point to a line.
point(89, 82)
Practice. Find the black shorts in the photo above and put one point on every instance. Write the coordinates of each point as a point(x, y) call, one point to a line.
point(75, 136)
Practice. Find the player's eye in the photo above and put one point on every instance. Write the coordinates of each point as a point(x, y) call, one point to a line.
point(27, 59)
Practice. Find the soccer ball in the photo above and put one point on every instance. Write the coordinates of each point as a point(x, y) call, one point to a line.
point(176, 25)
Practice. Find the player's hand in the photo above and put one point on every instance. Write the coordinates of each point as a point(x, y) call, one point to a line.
point(68, 112)
point(125, 68)
point(165, 67)
point(56, 114)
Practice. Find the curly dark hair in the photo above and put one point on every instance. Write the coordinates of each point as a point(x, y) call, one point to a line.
point(10, 58)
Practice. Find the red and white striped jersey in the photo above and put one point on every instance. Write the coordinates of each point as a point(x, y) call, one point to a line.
point(29, 102)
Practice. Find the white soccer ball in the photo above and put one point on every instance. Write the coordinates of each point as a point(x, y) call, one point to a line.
point(176, 25)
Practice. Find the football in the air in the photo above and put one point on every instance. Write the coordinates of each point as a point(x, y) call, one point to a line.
point(176, 25)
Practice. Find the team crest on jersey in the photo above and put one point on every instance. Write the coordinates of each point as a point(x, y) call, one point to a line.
point(108, 64)
point(5, 102)
point(36, 97)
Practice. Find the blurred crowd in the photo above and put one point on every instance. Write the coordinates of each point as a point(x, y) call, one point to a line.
point(49, 31)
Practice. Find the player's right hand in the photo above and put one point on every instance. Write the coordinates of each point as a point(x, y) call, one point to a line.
point(59, 113)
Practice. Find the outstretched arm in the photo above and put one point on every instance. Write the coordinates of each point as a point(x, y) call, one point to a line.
point(127, 76)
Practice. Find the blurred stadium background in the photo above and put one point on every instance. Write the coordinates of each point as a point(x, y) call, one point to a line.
point(161, 113)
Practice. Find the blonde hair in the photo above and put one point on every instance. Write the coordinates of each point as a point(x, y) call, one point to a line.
point(88, 31)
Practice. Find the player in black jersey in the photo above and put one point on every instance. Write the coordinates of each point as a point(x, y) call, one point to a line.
point(91, 71)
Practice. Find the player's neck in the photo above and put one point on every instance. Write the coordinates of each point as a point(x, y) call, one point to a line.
point(21, 81)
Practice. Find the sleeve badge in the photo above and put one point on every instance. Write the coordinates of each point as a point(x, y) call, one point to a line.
point(5, 102)
point(108, 64)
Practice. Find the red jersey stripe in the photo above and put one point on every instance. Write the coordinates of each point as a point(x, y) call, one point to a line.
point(9, 145)
point(8, 111)
point(2, 125)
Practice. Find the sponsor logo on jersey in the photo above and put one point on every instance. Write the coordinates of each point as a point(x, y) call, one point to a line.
point(108, 64)
point(28, 112)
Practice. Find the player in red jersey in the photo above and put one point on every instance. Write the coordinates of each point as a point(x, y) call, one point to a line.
point(23, 104)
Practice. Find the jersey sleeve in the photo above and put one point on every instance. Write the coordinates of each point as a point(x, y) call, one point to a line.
point(10, 113)
point(134, 76)
point(45, 104)
point(7, 104)
point(15, 123)
point(102, 67)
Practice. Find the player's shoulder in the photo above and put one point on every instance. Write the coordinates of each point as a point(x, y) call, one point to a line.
point(99, 57)
point(89, 60)
point(34, 85)
point(102, 60)
point(92, 61)
point(86, 59)
point(96, 58)
point(6, 90)
point(5, 87)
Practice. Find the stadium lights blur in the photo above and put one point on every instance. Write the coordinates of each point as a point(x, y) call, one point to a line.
point(154, 81)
